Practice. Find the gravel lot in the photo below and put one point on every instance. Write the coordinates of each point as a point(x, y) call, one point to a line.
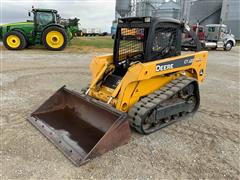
point(203, 146)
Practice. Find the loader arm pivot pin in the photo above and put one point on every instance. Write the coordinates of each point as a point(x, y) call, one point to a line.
point(110, 99)
point(86, 93)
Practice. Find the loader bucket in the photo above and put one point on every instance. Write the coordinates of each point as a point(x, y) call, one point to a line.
point(81, 127)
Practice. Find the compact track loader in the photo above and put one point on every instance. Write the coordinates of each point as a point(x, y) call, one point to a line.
point(146, 83)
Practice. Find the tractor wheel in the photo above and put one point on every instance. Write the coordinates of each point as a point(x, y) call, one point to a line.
point(14, 40)
point(54, 38)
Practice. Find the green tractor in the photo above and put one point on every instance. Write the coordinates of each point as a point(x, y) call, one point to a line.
point(73, 25)
point(44, 29)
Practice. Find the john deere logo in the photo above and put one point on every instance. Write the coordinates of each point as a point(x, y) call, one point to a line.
point(186, 61)
point(164, 67)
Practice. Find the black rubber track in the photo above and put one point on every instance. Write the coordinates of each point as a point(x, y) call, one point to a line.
point(141, 110)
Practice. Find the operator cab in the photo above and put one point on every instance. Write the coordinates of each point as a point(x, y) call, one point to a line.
point(43, 17)
point(144, 39)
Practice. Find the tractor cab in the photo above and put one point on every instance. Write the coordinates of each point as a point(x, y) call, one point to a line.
point(44, 17)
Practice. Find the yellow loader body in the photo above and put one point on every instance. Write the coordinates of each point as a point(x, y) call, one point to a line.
point(142, 79)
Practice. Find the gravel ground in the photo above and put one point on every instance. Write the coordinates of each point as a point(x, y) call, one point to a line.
point(203, 146)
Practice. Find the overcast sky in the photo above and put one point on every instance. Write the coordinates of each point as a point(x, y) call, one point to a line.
point(92, 13)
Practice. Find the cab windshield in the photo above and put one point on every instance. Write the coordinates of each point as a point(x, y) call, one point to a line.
point(131, 44)
point(44, 18)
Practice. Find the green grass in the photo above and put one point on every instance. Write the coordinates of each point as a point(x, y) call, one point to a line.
point(97, 42)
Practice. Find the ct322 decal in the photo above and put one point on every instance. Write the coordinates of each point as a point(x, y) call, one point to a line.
point(174, 64)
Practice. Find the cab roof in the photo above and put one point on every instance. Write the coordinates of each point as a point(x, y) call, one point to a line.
point(45, 10)
point(216, 25)
point(152, 19)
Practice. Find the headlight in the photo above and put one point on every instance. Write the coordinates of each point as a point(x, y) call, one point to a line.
point(147, 19)
point(120, 21)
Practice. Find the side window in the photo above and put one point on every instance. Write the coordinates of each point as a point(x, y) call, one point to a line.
point(211, 29)
point(44, 18)
point(164, 40)
point(223, 29)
